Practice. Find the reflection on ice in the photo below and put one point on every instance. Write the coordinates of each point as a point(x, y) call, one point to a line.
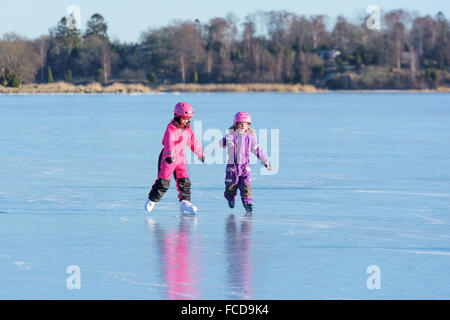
point(239, 267)
point(180, 264)
point(179, 269)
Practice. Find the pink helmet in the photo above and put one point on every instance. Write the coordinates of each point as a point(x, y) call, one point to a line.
point(242, 117)
point(184, 109)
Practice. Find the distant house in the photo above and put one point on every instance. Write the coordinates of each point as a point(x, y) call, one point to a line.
point(329, 54)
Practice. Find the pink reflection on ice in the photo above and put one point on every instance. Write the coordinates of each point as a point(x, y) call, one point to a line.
point(179, 270)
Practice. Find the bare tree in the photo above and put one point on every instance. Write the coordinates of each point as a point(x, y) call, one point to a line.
point(41, 46)
point(19, 56)
point(220, 32)
point(105, 57)
point(188, 48)
point(397, 21)
point(318, 30)
point(341, 34)
point(277, 25)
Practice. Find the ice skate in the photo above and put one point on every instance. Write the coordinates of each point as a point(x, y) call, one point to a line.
point(231, 203)
point(149, 205)
point(249, 207)
point(187, 208)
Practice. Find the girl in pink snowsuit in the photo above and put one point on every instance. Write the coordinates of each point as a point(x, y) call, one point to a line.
point(172, 160)
point(240, 141)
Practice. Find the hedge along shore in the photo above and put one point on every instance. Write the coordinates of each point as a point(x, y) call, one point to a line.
point(122, 88)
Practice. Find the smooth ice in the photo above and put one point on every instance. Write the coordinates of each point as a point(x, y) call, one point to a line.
point(363, 180)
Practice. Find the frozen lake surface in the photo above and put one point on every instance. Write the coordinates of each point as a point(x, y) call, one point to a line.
point(361, 194)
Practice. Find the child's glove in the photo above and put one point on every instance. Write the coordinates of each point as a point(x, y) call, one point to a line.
point(230, 141)
point(202, 159)
point(168, 160)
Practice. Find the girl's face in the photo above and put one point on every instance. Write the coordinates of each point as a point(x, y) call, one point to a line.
point(242, 126)
point(184, 121)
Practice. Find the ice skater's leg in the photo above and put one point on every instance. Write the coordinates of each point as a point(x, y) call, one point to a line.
point(245, 189)
point(181, 176)
point(184, 189)
point(162, 183)
point(159, 188)
point(231, 185)
point(230, 191)
point(230, 194)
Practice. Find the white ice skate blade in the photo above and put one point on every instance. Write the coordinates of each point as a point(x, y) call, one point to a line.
point(188, 209)
point(149, 206)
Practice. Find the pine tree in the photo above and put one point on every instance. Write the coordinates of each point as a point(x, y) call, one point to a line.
point(195, 77)
point(10, 79)
point(100, 76)
point(2, 80)
point(14, 81)
point(152, 77)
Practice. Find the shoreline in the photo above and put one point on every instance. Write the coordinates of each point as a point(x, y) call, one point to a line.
point(122, 88)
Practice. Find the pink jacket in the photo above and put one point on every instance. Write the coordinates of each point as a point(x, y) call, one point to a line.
point(175, 141)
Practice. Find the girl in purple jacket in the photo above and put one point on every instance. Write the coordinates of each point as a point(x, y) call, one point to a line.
point(240, 141)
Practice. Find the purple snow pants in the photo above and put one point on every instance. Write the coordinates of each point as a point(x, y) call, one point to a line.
point(238, 177)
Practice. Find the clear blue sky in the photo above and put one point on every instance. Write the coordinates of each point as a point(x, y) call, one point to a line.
point(128, 18)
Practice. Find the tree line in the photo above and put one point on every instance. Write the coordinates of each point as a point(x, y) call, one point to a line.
point(410, 51)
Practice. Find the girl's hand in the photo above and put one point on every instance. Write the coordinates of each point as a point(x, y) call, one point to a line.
point(229, 141)
point(169, 160)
